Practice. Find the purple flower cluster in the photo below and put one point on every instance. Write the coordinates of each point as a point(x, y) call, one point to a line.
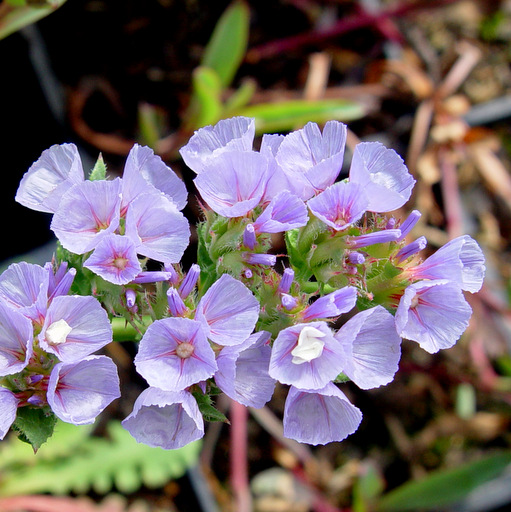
point(233, 323)
point(47, 342)
point(112, 221)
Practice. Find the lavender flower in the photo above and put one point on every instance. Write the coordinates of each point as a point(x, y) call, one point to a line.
point(210, 142)
point(176, 305)
point(340, 205)
point(78, 392)
point(312, 160)
point(228, 322)
point(411, 249)
point(165, 419)
point(189, 281)
point(319, 417)
point(286, 281)
point(75, 327)
point(243, 371)
point(249, 236)
point(459, 260)
point(61, 280)
point(56, 171)
point(433, 313)
point(409, 223)
point(87, 212)
point(174, 353)
point(145, 171)
point(306, 356)
point(234, 183)
point(285, 211)
point(157, 228)
point(372, 347)
point(115, 260)
point(383, 175)
point(9, 407)
point(376, 237)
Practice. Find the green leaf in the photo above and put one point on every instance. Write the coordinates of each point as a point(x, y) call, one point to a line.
point(34, 425)
point(228, 43)
point(73, 461)
point(444, 487)
point(206, 105)
point(22, 15)
point(288, 115)
point(98, 173)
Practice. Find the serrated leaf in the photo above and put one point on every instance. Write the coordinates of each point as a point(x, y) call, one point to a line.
point(228, 42)
point(71, 461)
point(444, 487)
point(34, 425)
point(288, 115)
point(208, 411)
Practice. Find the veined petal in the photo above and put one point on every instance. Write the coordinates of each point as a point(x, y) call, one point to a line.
point(243, 371)
point(312, 160)
point(319, 417)
point(159, 230)
point(144, 168)
point(79, 392)
point(372, 347)
point(86, 213)
point(43, 185)
point(88, 327)
point(207, 143)
point(228, 311)
point(174, 353)
point(383, 174)
point(285, 211)
point(165, 419)
point(333, 304)
point(16, 338)
point(234, 183)
point(9, 407)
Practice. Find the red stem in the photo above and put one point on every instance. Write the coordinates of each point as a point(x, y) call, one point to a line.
point(239, 457)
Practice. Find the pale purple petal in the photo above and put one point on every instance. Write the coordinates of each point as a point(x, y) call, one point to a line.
point(144, 168)
point(372, 347)
point(234, 183)
point(433, 313)
point(174, 353)
point(411, 249)
point(114, 259)
point(75, 326)
point(286, 211)
point(207, 143)
point(86, 213)
point(8, 410)
point(43, 185)
point(243, 371)
point(340, 205)
point(376, 237)
point(228, 311)
point(319, 417)
point(460, 260)
point(312, 160)
point(383, 174)
point(24, 286)
point(60, 279)
point(16, 337)
point(165, 419)
point(79, 392)
point(278, 181)
point(313, 374)
point(160, 231)
point(333, 304)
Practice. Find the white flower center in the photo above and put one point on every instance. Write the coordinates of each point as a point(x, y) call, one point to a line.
point(57, 332)
point(309, 345)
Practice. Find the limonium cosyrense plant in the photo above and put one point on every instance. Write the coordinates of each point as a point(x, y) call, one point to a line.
point(335, 307)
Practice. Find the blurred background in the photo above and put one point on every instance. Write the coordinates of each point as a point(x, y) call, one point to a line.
point(430, 79)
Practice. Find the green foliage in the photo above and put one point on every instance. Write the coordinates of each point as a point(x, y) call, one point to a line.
point(34, 425)
point(207, 409)
point(444, 487)
point(99, 170)
point(25, 12)
point(74, 461)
